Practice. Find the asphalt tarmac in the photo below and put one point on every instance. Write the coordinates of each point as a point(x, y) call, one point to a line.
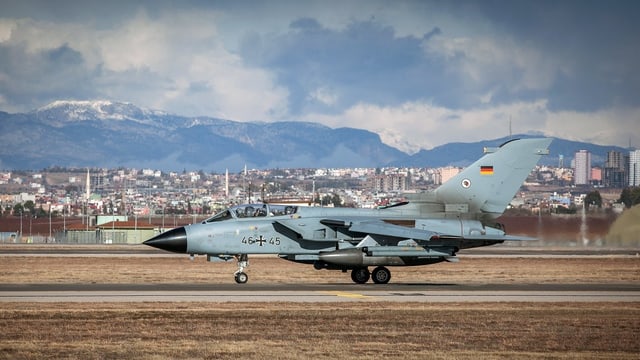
point(410, 292)
point(327, 292)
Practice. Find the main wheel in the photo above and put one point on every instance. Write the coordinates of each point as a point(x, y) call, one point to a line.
point(360, 275)
point(381, 275)
point(241, 278)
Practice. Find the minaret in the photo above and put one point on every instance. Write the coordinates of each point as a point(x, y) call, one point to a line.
point(226, 184)
point(88, 195)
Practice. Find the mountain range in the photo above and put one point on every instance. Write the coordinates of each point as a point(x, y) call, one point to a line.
point(114, 134)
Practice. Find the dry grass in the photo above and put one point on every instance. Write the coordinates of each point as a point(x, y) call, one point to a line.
point(319, 331)
point(29, 269)
point(624, 231)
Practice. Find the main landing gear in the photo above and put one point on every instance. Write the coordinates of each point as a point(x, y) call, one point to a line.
point(380, 275)
point(240, 276)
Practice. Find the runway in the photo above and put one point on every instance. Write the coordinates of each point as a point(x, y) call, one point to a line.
point(99, 289)
point(300, 293)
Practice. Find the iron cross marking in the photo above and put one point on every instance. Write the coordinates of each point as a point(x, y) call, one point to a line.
point(261, 240)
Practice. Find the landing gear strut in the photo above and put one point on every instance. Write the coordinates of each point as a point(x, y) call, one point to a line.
point(240, 276)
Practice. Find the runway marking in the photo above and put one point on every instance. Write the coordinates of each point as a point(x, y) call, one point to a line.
point(347, 294)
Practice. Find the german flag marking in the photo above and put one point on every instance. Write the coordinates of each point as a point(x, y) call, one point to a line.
point(486, 170)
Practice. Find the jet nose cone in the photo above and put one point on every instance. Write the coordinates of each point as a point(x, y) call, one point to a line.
point(174, 240)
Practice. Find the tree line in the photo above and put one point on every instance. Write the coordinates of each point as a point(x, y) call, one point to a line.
point(630, 196)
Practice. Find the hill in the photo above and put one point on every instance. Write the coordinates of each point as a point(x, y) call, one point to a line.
point(115, 134)
point(463, 154)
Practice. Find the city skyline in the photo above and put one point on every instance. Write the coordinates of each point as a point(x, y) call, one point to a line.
point(439, 72)
point(148, 192)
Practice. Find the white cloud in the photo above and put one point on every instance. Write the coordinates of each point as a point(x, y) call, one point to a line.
point(487, 61)
point(138, 43)
point(204, 78)
point(424, 125)
point(230, 90)
point(324, 95)
point(612, 126)
point(6, 28)
point(174, 61)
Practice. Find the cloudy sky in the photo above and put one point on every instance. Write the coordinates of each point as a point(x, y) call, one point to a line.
point(420, 73)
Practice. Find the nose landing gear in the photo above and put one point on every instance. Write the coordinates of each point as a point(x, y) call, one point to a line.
point(240, 276)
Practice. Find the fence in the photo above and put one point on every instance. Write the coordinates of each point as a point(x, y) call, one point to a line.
point(70, 237)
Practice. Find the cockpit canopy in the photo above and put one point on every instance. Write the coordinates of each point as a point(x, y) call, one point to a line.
point(251, 211)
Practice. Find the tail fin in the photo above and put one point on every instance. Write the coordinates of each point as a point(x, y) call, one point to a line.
point(488, 185)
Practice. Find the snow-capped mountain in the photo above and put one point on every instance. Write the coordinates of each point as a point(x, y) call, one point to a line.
point(112, 134)
point(61, 112)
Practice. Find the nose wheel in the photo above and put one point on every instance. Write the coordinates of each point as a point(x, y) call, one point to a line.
point(240, 276)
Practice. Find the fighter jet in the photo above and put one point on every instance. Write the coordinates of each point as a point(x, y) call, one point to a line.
point(427, 228)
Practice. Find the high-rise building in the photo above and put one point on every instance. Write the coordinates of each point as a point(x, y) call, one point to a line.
point(582, 171)
point(615, 174)
point(390, 182)
point(634, 168)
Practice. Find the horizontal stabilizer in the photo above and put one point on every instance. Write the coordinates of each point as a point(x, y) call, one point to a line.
point(518, 238)
point(487, 238)
point(499, 238)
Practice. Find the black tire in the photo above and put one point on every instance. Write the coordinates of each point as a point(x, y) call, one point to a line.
point(360, 275)
point(241, 278)
point(381, 275)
